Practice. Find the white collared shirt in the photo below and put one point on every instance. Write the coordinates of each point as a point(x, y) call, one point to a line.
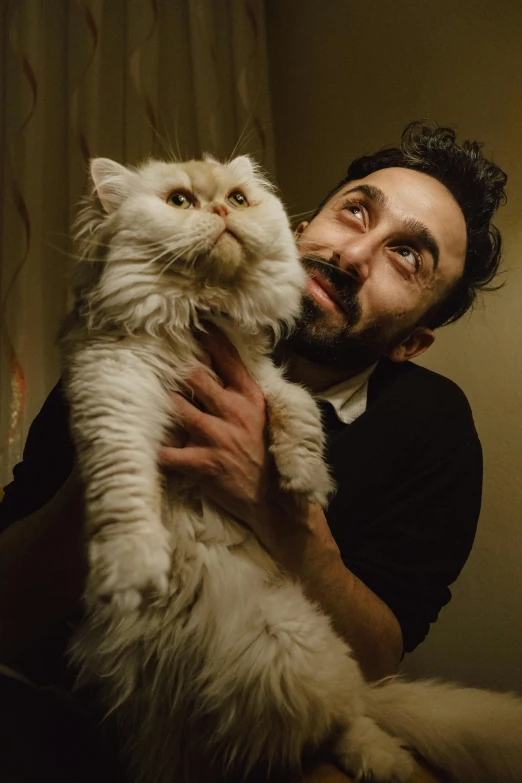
point(349, 398)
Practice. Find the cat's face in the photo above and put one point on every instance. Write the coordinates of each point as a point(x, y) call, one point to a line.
point(202, 219)
point(165, 243)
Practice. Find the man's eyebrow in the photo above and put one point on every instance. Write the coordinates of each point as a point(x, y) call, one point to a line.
point(421, 231)
point(424, 236)
point(373, 193)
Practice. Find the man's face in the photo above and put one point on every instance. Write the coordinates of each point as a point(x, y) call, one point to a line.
point(379, 255)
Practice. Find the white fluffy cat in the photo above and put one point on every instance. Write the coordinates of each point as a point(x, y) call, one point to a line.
point(210, 656)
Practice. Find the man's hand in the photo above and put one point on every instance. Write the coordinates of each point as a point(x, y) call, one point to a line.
point(226, 446)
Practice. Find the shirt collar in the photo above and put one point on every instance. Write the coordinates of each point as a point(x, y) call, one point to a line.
point(349, 398)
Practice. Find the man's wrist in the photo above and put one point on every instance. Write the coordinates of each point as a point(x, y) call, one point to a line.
point(298, 537)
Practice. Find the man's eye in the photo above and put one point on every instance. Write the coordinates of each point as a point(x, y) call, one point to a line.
point(409, 255)
point(355, 209)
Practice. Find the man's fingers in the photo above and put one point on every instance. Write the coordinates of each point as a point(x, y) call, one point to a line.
point(189, 417)
point(226, 360)
point(191, 461)
point(208, 391)
point(176, 438)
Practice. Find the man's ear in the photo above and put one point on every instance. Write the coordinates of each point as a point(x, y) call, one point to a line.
point(416, 343)
point(300, 228)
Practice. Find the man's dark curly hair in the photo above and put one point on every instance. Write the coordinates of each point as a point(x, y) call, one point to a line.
point(476, 184)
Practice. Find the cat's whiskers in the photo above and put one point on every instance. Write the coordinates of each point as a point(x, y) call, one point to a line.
point(162, 248)
point(144, 245)
point(246, 135)
point(145, 263)
point(173, 244)
point(244, 139)
point(73, 256)
point(166, 268)
point(304, 214)
point(167, 146)
point(311, 244)
point(176, 139)
point(195, 250)
point(92, 242)
point(173, 259)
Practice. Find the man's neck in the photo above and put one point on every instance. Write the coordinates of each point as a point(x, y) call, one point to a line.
point(315, 377)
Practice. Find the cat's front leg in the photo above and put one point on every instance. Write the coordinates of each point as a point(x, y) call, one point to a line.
point(118, 417)
point(296, 438)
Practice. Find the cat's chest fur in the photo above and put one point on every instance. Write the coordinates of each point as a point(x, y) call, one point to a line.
point(173, 357)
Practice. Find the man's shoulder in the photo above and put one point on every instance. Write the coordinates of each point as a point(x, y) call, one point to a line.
point(419, 403)
point(409, 384)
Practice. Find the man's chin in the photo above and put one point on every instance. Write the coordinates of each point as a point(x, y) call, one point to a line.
point(337, 352)
point(330, 339)
point(331, 322)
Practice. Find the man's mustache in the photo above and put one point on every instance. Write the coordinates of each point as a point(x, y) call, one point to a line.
point(345, 281)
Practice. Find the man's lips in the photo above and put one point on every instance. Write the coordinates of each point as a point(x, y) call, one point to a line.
point(324, 292)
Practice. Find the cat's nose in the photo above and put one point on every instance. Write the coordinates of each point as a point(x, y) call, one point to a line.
point(220, 209)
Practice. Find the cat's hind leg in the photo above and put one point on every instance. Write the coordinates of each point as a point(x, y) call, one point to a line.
point(293, 678)
point(363, 749)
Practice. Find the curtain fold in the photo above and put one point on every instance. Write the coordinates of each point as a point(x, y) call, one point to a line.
point(126, 79)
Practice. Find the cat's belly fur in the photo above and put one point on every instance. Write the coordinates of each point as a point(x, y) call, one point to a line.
point(226, 663)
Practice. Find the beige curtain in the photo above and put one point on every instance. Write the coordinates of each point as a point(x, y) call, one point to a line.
point(119, 78)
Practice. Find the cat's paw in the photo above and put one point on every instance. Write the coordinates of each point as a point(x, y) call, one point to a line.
point(128, 562)
point(308, 476)
point(368, 753)
point(387, 764)
point(296, 444)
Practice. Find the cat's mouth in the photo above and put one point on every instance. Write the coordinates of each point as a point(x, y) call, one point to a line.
point(226, 254)
point(230, 232)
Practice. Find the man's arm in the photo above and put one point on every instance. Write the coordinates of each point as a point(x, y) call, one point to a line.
point(42, 573)
point(227, 451)
point(357, 614)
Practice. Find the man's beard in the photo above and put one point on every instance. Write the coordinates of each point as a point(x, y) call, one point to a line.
point(343, 348)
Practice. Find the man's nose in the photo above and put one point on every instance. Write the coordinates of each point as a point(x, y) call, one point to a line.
point(355, 258)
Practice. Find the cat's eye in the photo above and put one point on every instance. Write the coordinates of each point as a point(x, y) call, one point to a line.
point(237, 199)
point(180, 200)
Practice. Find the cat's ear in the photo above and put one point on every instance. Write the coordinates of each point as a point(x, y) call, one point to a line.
point(111, 181)
point(243, 167)
point(247, 171)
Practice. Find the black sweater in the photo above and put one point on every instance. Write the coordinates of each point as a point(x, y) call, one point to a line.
point(409, 478)
point(409, 481)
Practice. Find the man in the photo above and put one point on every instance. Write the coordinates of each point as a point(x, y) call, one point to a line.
point(399, 248)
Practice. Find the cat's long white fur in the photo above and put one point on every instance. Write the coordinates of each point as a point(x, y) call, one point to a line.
point(210, 656)
point(475, 735)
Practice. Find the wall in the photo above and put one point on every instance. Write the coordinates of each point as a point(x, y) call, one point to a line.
point(345, 79)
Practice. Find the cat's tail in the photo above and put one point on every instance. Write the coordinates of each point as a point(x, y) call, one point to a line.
point(473, 735)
